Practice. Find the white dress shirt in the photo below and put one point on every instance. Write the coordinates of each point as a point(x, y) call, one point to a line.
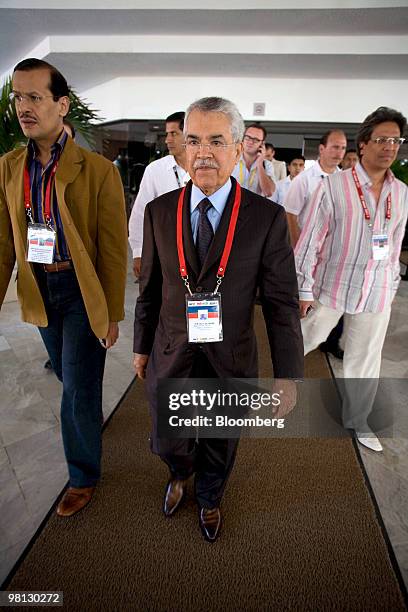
point(282, 188)
point(301, 190)
point(250, 178)
point(161, 176)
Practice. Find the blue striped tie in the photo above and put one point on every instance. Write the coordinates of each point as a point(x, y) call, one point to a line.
point(205, 231)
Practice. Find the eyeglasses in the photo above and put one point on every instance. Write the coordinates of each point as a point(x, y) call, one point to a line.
point(212, 147)
point(382, 140)
point(30, 98)
point(251, 139)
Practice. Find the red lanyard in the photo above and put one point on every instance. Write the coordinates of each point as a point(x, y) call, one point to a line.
point(27, 194)
point(228, 242)
point(363, 202)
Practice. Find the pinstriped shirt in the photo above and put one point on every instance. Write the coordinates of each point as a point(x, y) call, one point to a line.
point(334, 255)
point(39, 178)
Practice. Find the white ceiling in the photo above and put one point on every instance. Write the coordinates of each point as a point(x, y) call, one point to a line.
point(91, 46)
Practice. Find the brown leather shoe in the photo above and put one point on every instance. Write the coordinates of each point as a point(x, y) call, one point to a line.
point(173, 496)
point(210, 523)
point(74, 500)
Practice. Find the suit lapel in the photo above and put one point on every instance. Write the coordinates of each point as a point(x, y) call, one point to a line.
point(17, 165)
point(190, 252)
point(69, 166)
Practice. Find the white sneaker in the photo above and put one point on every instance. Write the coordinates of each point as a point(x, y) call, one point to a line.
point(369, 439)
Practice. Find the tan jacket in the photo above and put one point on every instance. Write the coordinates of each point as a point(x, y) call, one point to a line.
point(92, 208)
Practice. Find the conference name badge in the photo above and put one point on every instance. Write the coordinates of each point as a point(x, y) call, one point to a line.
point(203, 313)
point(40, 243)
point(380, 247)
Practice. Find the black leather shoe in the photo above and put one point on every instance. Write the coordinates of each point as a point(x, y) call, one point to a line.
point(173, 496)
point(210, 523)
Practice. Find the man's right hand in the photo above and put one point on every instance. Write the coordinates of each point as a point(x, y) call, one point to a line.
point(304, 306)
point(137, 264)
point(140, 364)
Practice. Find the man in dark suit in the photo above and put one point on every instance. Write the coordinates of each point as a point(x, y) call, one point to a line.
point(260, 256)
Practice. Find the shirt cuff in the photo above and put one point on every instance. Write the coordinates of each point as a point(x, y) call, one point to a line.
point(306, 296)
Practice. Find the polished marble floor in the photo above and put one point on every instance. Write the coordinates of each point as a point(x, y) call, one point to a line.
point(32, 466)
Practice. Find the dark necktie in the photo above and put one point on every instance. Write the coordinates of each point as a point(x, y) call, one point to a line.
point(205, 231)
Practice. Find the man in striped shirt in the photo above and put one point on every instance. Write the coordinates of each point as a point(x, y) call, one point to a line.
point(347, 259)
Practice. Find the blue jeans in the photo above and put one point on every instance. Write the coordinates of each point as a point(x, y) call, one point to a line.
point(78, 360)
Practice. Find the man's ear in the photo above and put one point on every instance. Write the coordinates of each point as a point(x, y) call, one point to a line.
point(238, 151)
point(64, 105)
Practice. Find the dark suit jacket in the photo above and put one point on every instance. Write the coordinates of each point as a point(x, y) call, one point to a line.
point(261, 256)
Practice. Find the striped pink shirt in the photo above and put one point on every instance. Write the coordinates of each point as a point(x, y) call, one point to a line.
point(334, 254)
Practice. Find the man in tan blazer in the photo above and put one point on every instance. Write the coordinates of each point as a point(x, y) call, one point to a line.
point(71, 283)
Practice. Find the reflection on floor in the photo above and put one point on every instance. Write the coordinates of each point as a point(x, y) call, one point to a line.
point(32, 466)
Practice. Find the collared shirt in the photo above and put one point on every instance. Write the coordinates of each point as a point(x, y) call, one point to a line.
point(334, 256)
point(301, 190)
point(282, 188)
point(161, 176)
point(250, 178)
point(39, 178)
point(218, 200)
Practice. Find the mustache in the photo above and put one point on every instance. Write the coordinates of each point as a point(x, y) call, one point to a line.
point(25, 115)
point(205, 163)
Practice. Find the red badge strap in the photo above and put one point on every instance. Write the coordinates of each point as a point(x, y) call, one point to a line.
point(363, 202)
point(27, 193)
point(228, 242)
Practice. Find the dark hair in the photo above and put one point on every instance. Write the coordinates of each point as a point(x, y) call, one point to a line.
point(68, 123)
point(350, 151)
point(58, 85)
point(177, 118)
point(293, 157)
point(258, 126)
point(382, 114)
point(269, 145)
point(326, 135)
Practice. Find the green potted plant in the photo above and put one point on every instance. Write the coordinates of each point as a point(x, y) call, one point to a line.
point(80, 114)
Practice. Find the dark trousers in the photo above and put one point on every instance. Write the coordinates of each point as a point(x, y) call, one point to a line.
point(211, 459)
point(78, 360)
point(336, 333)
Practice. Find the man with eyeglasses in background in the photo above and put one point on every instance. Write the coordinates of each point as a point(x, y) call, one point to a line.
point(184, 241)
point(162, 175)
point(347, 260)
point(253, 171)
point(62, 217)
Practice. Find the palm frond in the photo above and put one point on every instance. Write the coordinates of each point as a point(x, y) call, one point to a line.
point(82, 116)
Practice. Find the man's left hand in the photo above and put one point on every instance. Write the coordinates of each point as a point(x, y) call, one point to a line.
point(113, 334)
point(261, 155)
point(287, 394)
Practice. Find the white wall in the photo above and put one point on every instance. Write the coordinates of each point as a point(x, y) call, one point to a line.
point(339, 101)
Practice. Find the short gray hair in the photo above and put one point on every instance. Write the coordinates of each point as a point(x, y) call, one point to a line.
point(220, 105)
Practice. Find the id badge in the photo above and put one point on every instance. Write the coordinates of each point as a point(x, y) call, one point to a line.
point(203, 314)
point(380, 247)
point(40, 243)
